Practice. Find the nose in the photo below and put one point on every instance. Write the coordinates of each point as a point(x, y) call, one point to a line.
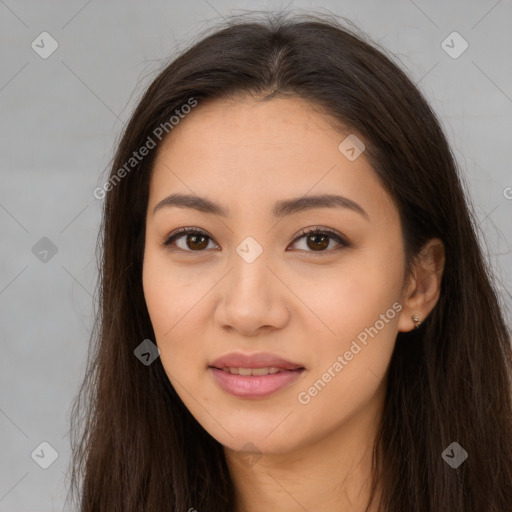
point(253, 298)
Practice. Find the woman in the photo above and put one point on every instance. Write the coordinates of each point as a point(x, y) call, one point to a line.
point(295, 311)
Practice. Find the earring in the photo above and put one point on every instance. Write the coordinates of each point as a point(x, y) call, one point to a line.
point(416, 321)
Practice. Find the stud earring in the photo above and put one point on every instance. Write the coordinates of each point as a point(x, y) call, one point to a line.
point(416, 321)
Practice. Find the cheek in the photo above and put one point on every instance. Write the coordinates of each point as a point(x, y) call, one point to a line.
point(170, 304)
point(352, 295)
point(356, 317)
point(352, 354)
point(170, 292)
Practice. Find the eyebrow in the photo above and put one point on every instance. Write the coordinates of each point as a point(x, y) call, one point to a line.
point(280, 208)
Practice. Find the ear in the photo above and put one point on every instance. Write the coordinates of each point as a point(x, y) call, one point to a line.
point(424, 284)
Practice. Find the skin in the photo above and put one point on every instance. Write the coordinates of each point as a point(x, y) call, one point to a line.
point(304, 305)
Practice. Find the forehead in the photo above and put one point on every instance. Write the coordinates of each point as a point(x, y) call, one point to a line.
point(246, 121)
point(246, 152)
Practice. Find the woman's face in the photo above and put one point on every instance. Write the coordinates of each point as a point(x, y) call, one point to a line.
point(251, 282)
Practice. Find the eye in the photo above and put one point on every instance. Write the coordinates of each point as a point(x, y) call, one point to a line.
point(196, 239)
point(317, 240)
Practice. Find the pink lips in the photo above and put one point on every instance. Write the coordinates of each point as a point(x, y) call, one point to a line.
point(254, 386)
point(259, 360)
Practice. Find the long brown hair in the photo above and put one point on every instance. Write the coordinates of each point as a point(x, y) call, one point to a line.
point(136, 446)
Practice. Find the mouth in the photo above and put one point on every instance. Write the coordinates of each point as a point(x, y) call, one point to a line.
point(262, 363)
point(266, 370)
point(255, 376)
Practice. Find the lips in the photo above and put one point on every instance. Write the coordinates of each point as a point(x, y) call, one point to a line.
point(259, 360)
point(252, 376)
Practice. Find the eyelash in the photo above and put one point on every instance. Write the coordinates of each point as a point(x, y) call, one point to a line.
point(302, 233)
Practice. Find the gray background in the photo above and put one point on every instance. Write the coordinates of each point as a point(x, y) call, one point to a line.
point(61, 116)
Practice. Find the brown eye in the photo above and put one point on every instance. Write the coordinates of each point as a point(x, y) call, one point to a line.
point(194, 240)
point(318, 240)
